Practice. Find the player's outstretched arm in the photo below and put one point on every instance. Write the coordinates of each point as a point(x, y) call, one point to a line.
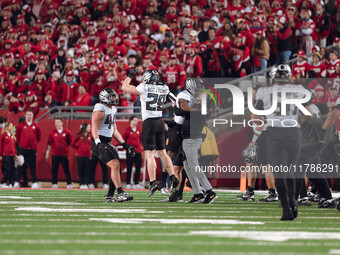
point(332, 117)
point(126, 87)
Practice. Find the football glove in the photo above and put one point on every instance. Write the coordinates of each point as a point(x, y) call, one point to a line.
point(129, 149)
point(132, 73)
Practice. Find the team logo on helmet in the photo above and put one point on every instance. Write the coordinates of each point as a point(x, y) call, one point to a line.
point(108, 96)
point(150, 76)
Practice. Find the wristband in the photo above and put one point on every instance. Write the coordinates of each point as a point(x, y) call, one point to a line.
point(97, 141)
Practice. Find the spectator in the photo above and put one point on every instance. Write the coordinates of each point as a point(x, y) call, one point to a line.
point(133, 135)
point(306, 31)
point(239, 56)
point(31, 102)
point(318, 67)
point(70, 88)
point(332, 98)
point(319, 94)
point(174, 75)
point(322, 24)
point(8, 152)
point(58, 142)
point(82, 144)
point(28, 135)
point(39, 87)
point(203, 35)
point(301, 65)
point(261, 50)
point(83, 98)
point(193, 63)
point(284, 40)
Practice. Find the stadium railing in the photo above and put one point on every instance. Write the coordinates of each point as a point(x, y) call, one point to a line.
point(84, 112)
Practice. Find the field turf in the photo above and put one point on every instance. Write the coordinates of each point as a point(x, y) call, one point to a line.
point(80, 222)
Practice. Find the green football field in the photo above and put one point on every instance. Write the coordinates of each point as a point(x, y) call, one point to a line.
point(80, 222)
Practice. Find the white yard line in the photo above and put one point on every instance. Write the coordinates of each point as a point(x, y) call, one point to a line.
point(177, 221)
point(44, 209)
point(14, 197)
point(274, 236)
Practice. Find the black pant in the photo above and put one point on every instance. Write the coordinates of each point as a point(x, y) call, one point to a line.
point(137, 159)
point(83, 166)
point(30, 157)
point(8, 169)
point(92, 170)
point(312, 156)
point(56, 160)
point(283, 146)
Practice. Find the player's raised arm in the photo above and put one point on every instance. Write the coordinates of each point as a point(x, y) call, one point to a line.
point(126, 87)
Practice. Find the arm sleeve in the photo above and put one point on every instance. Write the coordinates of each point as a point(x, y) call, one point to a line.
point(74, 143)
point(50, 139)
point(259, 105)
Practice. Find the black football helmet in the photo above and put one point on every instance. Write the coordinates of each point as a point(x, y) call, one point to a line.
point(108, 96)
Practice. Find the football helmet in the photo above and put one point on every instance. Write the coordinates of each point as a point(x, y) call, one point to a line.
point(193, 85)
point(280, 74)
point(108, 96)
point(150, 76)
point(249, 154)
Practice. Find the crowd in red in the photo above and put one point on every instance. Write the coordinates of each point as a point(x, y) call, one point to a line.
point(65, 52)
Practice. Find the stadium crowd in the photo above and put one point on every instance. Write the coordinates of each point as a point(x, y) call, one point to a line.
point(65, 52)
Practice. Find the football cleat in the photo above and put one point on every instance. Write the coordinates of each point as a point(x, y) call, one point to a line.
point(338, 206)
point(153, 189)
point(180, 199)
point(313, 197)
point(287, 214)
point(327, 203)
point(122, 196)
point(174, 196)
point(111, 199)
point(128, 186)
point(247, 196)
point(271, 197)
point(165, 199)
point(36, 185)
point(304, 202)
point(210, 198)
point(199, 198)
point(164, 191)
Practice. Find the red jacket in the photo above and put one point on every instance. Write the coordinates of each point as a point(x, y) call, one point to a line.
point(7, 145)
point(28, 136)
point(82, 145)
point(194, 66)
point(60, 142)
point(133, 138)
point(82, 100)
point(70, 92)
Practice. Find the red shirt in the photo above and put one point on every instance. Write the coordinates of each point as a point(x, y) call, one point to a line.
point(7, 145)
point(303, 66)
point(28, 135)
point(82, 100)
point(70, 92)
point(133, 138)
point(194, 66)
point(82, 145)
point(60, 142)
point(174, 76)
